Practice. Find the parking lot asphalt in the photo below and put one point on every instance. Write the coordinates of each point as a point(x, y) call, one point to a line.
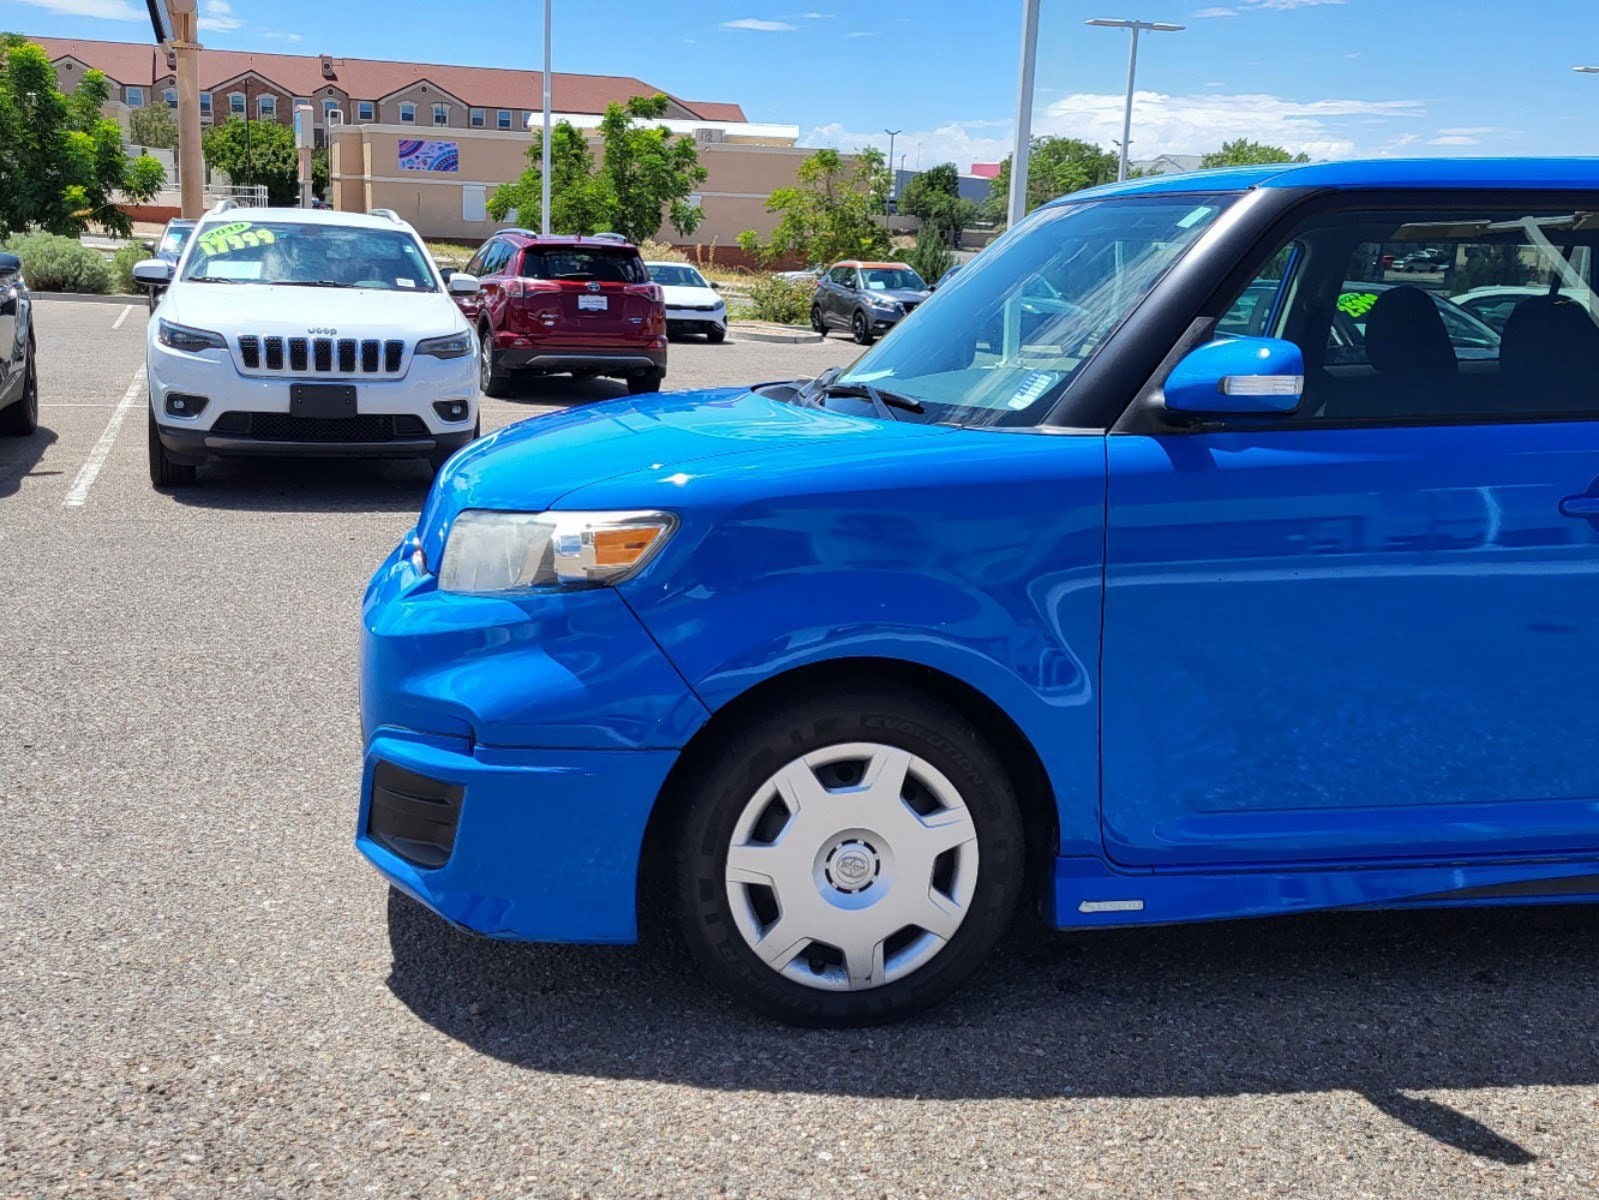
point(205, 992)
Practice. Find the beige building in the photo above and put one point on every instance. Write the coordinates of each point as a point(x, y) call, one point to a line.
point(432, 141)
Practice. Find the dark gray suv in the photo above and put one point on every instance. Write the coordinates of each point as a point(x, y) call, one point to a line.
point(866, 298)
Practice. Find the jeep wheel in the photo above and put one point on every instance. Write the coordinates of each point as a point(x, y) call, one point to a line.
point(648, 381)
point(164, 473)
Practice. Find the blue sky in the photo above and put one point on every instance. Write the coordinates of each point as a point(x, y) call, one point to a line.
point(1337, 78)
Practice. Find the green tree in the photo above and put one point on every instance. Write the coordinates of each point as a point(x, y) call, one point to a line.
point(153, 126)
point(931, 256)
point(832, 211)
point(1056, 166)
point(933, 197)
point(645, 175)
point(1244, 153)
point(62, 163)
point(256, 152)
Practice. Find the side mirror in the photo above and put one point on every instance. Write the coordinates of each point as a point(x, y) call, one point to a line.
point(715, 287)
point(1240, 377)
point(462, 284)
point(152, 272)
point(446, 272)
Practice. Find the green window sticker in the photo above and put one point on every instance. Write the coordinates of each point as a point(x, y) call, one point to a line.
point(1356, 304)
point(239, 235)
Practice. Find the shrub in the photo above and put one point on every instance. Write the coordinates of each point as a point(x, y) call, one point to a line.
point(122, 268)
point(653, 251)
point(52, 263)
point(931, 255)
point(785, 301)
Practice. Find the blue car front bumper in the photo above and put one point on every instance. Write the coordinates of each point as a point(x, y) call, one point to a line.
point(515, 749)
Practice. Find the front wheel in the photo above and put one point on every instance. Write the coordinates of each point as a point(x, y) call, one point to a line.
point(861, 330)
point(21, 417)
point(164, 473)
point(818, 323)
point(849, 861)
point(716, 336)
point(491, 380)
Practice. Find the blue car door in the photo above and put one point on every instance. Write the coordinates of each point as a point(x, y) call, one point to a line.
point(1370, 630)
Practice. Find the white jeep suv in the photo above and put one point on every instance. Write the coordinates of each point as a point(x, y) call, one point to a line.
point(299, 331)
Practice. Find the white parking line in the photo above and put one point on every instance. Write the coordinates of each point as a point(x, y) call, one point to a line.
point(126, 309)
point(78, 494)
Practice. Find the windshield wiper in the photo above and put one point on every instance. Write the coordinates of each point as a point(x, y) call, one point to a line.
point(883, 402)
point(211, 279)
point(309, 283)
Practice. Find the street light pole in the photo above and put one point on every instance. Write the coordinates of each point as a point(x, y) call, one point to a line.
point(1135, 28)
point(544, 168)
point(1023, 144)
point(893, 182)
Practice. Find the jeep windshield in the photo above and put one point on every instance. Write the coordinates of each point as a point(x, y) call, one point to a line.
point(1000, 342)
point(309, 255)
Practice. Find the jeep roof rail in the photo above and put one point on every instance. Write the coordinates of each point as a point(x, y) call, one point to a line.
point(387, 213)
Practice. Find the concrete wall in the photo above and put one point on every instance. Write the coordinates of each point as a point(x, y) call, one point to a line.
point(364, 165)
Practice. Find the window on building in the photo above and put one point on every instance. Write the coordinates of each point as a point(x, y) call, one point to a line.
point(407, 114)
point(135, 97)
point(205, 104)
point(266, 107)
point(503, 119)
point(171, 97)
point(329, 107)
point(441, 114)
point(479, 118)
point(236, 103)
point(305, 100)
point(364, 110)
point(527, 120)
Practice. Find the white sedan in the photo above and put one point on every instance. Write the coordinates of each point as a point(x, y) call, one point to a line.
point(692, 305)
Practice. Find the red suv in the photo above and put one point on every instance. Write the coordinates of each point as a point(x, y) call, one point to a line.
point(575, 305)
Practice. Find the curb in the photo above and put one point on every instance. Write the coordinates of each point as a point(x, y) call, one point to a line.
point(755, 331)
point(86, 298)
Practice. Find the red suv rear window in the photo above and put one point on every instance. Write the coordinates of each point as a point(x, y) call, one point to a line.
point(584, 263)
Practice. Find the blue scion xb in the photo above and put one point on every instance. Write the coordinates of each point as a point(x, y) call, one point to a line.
point(1180, 559)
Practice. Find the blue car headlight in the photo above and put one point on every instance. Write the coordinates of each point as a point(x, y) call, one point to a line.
point(491, 553)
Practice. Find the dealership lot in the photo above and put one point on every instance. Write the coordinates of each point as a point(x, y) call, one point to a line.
point(206, 991)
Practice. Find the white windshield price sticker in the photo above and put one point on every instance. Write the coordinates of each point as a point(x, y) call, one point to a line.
point(1032, 387)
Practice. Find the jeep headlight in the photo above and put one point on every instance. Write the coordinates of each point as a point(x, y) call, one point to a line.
point(454, 345)
point(182, 337)
point(509, 552)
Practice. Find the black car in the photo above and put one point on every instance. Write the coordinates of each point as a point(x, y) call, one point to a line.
point(866, 298)
point(170, 248)
point(19, 378)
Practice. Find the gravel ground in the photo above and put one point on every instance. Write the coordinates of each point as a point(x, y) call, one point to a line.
point(206, 993)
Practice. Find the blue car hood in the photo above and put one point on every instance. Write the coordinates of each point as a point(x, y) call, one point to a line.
point(529, 466)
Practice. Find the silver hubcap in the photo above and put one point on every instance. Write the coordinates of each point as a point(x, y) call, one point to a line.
point(852, 867)
point(486, 364)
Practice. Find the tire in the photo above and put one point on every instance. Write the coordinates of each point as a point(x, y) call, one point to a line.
point(818, 322)
point(164, 473)
point(855, 875)
point(21, 417)
point(438, 458)
point(491, 380)
point(716, 336)
point(861, 329)
point(649, 381)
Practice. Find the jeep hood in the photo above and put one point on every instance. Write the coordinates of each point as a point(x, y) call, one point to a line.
point(231, 309)
point(530, 466)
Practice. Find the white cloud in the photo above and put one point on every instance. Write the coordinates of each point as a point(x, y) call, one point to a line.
point(218, 15)
point(279, 36)
point(864, 33)
point(815, 16)
point(1162, 124)
point(759, 25)
point(1285, 5)
point(1455, 140)
point(1208, 13)
point(105, 10)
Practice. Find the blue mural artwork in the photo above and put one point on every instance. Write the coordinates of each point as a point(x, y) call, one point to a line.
point(416, 155)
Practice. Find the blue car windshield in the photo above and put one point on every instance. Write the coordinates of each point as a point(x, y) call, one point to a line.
point(1000, 342)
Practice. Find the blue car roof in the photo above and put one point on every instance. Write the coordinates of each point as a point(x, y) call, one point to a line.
point(1577, 174)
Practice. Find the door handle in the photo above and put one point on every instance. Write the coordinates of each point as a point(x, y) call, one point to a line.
point(1580, 506)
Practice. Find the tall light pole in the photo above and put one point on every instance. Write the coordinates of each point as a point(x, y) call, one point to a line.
point(544, 167)
point(893, 182)
point(1136, 28)
point(1023, 144)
